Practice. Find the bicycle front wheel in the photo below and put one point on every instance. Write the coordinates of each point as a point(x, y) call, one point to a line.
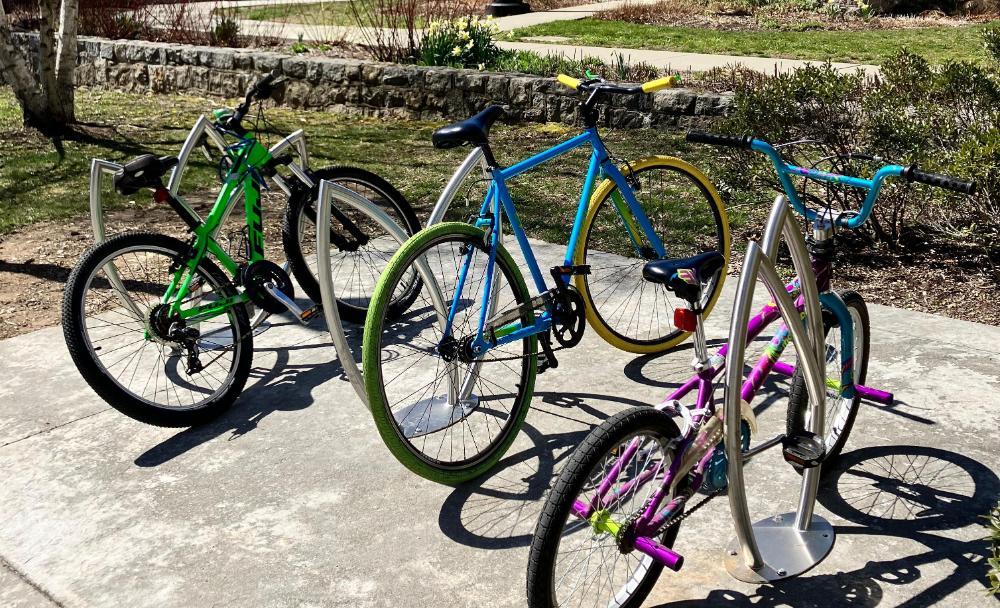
point(361, 249)
point(577, 562)
point(124, 342)
point(687, 216)
point(447, 415)
point(840, 410)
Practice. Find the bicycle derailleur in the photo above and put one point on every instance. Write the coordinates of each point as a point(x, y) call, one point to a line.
point(173, 331)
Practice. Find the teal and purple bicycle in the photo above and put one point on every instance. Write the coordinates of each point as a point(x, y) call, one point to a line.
point(607, 527)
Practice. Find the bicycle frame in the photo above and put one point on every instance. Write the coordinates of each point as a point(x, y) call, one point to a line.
point(498, 203)
point(703, 382)
point(248, 156)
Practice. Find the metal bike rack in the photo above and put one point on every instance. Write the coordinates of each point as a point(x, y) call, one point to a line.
point(786, 544)
point(459, 391)
point(328, 192)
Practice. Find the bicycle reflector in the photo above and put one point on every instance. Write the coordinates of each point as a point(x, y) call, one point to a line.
point(685, 319)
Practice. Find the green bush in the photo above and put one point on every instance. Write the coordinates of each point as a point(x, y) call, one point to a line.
point(945, 119)
point(465, 42)
point(226, 32)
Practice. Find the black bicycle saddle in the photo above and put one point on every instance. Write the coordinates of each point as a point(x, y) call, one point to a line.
point(145, 171)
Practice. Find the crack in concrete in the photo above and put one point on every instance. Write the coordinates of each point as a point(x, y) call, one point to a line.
point(29, 582)
point(52, 428)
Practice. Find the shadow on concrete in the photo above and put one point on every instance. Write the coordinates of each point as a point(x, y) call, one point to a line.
point(901, 491)
point(499, 510)
point(283, 387)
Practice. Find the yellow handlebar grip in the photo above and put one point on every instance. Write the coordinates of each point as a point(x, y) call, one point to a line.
point(660, 83)
point(569, 81)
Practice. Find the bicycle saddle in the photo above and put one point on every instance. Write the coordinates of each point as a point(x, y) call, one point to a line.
point(144, 171)
point(475, 130)
point(684, 276)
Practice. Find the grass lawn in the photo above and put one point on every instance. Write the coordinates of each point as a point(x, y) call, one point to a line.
point(937, 44)
point(318, 13)
point(35, 185)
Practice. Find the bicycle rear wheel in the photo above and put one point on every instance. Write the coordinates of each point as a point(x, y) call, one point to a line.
point(447, 416)
point(356, 267)
point(687, 215)
point(118, 338)
point(571, 561)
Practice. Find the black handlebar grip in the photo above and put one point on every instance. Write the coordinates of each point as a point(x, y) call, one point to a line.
point(913, 174)
point(697, 137)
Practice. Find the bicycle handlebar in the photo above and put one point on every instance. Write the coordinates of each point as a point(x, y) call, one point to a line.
point(912, 174)
point(602, 86)
point(873, 185)
point(262, 89)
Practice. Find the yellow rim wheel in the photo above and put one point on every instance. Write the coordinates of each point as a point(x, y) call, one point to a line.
point(687, 214)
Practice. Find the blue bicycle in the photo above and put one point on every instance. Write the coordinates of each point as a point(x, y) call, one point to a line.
point(450, 383)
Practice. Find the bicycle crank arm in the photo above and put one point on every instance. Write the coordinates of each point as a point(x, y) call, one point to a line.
point(303, 316)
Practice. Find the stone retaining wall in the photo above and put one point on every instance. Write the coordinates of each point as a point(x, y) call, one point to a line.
point(366, 88)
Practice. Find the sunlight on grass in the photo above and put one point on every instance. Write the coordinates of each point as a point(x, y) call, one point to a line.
point(937, 44)
point(35, 185)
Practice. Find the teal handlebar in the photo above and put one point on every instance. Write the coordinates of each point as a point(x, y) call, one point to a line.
point(873, 186)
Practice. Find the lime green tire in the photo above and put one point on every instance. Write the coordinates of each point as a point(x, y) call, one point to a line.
point(689, 218)
point(404, 370)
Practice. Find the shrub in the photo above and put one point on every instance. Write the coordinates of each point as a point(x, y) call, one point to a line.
point(620, 69)
point(465, 42)
point(390, 27)
point(225, 32)
point(945, 119)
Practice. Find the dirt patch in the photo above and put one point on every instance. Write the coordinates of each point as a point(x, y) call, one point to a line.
point(35, 261)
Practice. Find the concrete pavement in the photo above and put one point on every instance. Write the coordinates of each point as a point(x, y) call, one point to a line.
point(291, 499)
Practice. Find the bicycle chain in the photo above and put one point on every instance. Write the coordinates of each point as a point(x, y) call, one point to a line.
point(518, 357)
point(677, 520)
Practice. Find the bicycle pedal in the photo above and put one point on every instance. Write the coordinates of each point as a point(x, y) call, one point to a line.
point(803, 449)
point(572, 271)
point(544, 363)
point(310, 313)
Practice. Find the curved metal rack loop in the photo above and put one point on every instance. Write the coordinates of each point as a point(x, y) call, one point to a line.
point(786, 544)
point(328, 192)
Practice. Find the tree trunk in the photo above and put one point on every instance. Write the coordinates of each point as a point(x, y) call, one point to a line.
point(46, 101)
point(15, 71)
point(67, 56)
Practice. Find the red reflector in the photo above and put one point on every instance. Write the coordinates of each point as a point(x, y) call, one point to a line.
point(685, 320)
point(161, 195)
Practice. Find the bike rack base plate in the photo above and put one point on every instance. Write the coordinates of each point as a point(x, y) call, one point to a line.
point(433, 414)
point(785, 550)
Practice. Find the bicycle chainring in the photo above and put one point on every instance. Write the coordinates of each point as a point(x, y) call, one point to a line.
point(259, 274)
point(568, 317)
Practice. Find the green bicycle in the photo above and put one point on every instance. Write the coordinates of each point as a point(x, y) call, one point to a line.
point(161, 332)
